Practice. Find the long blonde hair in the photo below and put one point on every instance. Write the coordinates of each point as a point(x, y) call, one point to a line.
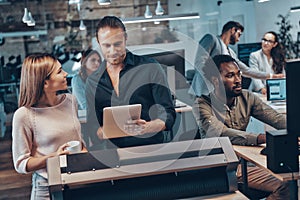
point(36, 68)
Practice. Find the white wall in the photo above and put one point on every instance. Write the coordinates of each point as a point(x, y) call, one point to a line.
point(257, 17)
point(198, 27)
point(267, 15)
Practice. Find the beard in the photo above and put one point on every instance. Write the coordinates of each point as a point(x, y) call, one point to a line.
point(233, 93)
point(116, 59)
point(232, 40)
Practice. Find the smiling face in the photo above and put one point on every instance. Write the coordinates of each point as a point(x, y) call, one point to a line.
point(113, 44)
point(231, 77)
point(57, 80)
point(268, 43)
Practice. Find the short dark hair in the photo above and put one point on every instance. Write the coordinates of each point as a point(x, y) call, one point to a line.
point(212, 66)
point(112, 22)
point(232, 24)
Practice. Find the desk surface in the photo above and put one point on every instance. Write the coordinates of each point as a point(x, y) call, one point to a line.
point(182, 108)
point(278, 106)
point(252, 154)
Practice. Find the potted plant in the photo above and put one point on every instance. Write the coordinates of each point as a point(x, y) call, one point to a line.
point(285, 37)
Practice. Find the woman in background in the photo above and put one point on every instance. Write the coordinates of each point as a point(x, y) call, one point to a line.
point(44, 121)
point(90, 61)
point(270, 58)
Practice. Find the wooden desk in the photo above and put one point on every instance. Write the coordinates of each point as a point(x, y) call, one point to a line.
point(257, 126)
point(252, 154)
point(180, 109)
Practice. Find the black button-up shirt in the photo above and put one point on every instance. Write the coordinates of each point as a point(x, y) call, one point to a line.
point(141, 81)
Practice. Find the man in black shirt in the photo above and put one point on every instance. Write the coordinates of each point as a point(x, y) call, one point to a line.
point(122, 79)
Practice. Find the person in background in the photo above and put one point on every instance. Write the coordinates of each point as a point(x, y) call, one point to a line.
point(90, 61)
point(44, 121)
point(210, 46)
point(270, 59)
point(226, 112)
point(123, 79)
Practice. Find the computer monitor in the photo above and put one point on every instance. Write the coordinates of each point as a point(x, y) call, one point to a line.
point(244, 51)
point(276, 89)
point(292, 96)
point(176, 60)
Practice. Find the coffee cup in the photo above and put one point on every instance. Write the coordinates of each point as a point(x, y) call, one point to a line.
point(74, 146)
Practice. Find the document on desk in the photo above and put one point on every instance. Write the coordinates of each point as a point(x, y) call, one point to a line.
point(279, 106)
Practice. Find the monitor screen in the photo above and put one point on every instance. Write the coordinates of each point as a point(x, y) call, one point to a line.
point(176, 60)
point(276, 89)
point(244, 51)
point(293, 96)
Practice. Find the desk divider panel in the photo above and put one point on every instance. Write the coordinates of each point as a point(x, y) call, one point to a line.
point(163, 171)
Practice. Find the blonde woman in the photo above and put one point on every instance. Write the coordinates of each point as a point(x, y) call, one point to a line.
point(44, 121)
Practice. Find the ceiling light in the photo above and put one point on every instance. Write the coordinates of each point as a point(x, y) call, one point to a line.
point(161, 18)
point(148, 13)
point(32, 21)
point(159, 10)
point(295, 9)
point(261, 1)
point(212, 13)
point(74, 2)
point(104, 2)
point(82, 27)
point(26, 17)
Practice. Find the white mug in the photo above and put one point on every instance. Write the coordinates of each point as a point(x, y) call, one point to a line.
point(74, 146)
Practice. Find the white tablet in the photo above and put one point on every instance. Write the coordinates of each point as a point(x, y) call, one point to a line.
point(116, 121)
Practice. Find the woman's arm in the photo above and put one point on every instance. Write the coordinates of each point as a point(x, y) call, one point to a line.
point(34, 164)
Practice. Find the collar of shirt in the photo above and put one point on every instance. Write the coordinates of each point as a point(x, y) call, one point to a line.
point(224, 48)
point(220, 105)
point(128, 61)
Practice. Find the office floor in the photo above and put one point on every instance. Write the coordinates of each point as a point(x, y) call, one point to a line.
point(13, 186)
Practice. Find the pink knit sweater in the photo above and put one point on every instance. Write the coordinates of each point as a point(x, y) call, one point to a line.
point(40, 131)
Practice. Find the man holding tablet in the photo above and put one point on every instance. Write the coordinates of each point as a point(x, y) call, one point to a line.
point(123, 79)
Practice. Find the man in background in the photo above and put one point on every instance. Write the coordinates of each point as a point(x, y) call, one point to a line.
point(226, 112)
point(210, 46)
